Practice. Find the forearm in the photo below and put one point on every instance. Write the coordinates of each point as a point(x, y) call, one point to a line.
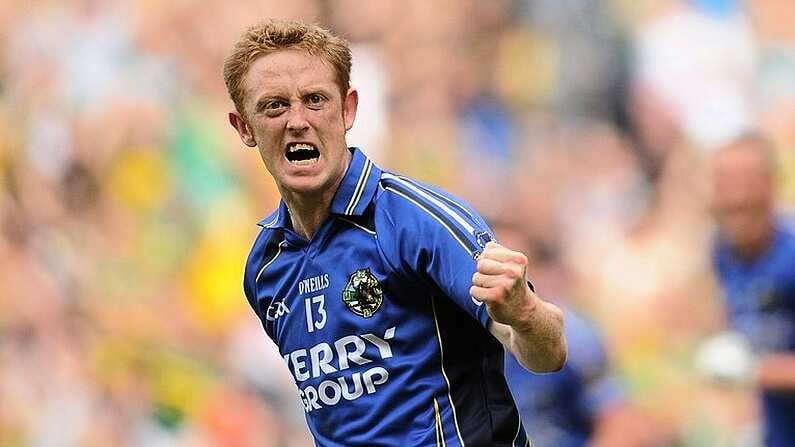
point(540, 345)
point(536, 340)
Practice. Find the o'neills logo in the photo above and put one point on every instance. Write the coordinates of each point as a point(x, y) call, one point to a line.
point(362, 294)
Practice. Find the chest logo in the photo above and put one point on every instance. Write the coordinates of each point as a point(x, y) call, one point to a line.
point(362, 294)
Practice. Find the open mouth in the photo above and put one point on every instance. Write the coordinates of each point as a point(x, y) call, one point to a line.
point(302, 154)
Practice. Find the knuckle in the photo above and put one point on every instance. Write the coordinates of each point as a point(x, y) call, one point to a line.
point(512, 273)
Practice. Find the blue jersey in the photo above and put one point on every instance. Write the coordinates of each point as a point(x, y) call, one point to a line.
point(560, 409)
point(760, 302)
point(374, 319)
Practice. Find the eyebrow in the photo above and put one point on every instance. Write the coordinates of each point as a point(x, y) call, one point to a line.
point(309, 90)
point(314, 89)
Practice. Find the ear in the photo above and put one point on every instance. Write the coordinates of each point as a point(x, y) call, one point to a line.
point(349, 106)
point(243, 129)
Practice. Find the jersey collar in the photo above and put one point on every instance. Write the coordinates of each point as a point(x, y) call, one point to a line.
point(278, 218)
point(356, 190)
point(357, 187)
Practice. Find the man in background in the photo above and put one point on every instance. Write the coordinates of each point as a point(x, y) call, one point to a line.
point(754, 261)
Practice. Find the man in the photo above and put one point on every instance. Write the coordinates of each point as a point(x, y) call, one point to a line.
point(385, 296)
point(754, 258)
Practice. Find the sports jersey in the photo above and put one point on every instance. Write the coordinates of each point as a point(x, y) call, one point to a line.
point(560, 409)
point(760, 302)
point(374, 319)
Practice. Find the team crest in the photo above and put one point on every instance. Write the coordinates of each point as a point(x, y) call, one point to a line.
point(363, 294)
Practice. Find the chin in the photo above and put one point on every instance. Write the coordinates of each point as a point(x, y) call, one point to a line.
point(305, 185)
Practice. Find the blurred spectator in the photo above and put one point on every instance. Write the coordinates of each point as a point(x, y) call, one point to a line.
point(754, 255)
point(365, 25)
point(697, 59)
point(590, 66)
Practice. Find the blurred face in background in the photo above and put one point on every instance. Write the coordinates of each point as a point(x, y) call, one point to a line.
point(742, 195)
point(297, 116)
point(545, 269)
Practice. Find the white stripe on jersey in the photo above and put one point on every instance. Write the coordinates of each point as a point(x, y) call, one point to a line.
point(357, 193)
point(270, 224)
point(457, 217)
point(436, 194)
point(281, 244)
point(366, 230)
point(444, 373)
point(518, 429)
point(432, 214)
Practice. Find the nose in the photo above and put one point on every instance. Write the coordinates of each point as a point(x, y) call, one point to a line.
point(296, 121)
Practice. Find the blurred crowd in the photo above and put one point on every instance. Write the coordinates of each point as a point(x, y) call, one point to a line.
point(128, 204)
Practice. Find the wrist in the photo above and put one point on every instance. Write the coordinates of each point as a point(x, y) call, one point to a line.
point(530, 310)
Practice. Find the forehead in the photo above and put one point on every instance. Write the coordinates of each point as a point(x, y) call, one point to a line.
point(740, 175)
point(741, 161)
point(287, 70)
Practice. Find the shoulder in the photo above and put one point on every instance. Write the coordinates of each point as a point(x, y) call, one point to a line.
point(266, 230)
point(262, 241)
point(720, 251)
point(785, 225)
point(410, 205)
point(418, 196)
point(427, 202)
point(783, 252)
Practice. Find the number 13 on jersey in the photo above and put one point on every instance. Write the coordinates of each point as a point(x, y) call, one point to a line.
point(311, 323)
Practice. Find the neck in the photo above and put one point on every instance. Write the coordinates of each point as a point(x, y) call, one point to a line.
point(309, 210)
point(753, 250)
point(754, 247)
point(307, 213)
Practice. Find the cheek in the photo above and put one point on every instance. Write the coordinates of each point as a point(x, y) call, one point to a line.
point(270, 153)
point(267, 134)
point(329, 118)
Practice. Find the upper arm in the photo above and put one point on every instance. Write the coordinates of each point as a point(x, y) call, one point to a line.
point(262, 248)
point(436, 239)
point(250, 271)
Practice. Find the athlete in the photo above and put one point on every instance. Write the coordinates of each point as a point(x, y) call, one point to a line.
point(388, 299)
point(754, 259)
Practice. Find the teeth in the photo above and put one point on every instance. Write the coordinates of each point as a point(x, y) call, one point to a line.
point(303, 162)
point(300, 146)
point(302, 154)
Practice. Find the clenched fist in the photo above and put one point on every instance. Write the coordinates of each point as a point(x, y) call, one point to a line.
point(500, 282)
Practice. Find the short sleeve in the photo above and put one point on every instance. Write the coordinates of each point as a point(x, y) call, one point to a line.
point(436, 238)
point(258, 256)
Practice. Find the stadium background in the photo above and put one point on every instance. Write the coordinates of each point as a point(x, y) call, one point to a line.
point(128, 204)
